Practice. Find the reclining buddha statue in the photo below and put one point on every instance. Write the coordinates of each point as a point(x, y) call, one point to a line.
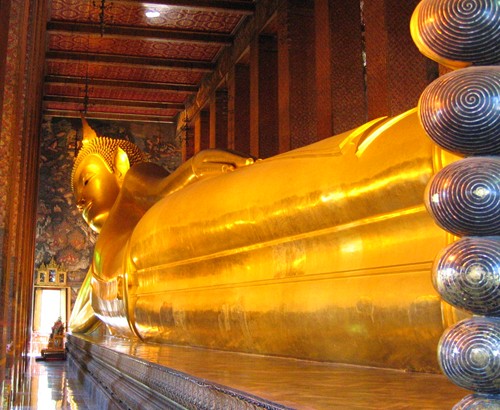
point(323, 252)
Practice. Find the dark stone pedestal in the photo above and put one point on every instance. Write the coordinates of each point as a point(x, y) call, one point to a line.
point(131, 374)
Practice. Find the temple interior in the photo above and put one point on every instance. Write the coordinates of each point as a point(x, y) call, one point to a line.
point(279, 252)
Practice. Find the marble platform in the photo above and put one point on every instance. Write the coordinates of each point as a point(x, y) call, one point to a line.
point(140, 375)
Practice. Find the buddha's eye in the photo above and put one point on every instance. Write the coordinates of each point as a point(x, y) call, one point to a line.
point(87, 178)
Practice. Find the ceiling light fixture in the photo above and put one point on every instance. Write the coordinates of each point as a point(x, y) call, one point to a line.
point(152, 14)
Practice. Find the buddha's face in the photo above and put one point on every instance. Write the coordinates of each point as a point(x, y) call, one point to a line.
point(96, 189)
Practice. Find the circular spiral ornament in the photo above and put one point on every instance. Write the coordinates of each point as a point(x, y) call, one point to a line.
point(464, 197)
point(467, 275)
point(458, 33)
point(460, 111)
point(469, 354)
point(478, 402)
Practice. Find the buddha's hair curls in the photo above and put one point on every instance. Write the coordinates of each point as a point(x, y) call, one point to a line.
point(106, 148)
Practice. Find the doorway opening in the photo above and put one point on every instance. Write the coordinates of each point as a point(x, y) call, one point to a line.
point(51, 304)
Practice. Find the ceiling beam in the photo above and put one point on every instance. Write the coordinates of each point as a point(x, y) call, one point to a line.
point(136, 32)
point(114, 102)
point(128, 60)
point(241, 7)
point(63, 80)
point(109, 116)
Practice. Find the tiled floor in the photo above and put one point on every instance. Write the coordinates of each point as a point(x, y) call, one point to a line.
point(49, 385)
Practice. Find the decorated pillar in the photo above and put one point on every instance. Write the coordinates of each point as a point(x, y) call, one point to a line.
point(21, 51)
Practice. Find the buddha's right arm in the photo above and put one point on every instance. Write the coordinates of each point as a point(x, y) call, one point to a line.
point(205, 164)
point(83, 318)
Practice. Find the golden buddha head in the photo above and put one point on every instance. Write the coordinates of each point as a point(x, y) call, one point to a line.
point(98, 174)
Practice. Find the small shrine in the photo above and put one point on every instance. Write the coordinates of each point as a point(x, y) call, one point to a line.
point(55, 349)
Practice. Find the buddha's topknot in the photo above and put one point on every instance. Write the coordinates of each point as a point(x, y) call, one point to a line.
point(106, 148)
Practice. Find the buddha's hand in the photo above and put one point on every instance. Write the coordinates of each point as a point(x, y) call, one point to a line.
point(215, 161)
point(83, 318)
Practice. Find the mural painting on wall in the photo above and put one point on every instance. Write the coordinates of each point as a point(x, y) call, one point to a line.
point(61, 232)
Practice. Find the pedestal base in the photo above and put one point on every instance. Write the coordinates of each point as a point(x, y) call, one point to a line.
point(145, 375)
point(52, 354)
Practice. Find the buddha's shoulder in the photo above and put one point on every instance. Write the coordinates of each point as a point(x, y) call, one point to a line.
point(143, 177)
point(145, 170)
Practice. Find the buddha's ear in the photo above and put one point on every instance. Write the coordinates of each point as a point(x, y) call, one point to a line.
point(122, 164)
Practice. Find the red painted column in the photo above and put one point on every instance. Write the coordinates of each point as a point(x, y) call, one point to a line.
point(397, 72)
point(219, 119)
point(188, 140)
point(268, 103)
point(348, 82)
point(202, 131)
point(239, 109)
point(263, 97)
point(340, 83)
point(254, 97)
point(323, 48)
point(376, 44)
point(297, 75)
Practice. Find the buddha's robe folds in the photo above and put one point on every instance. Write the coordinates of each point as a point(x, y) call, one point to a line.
point(321, 253)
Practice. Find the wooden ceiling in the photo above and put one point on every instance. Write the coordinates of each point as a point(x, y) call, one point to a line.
point(107, 59)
